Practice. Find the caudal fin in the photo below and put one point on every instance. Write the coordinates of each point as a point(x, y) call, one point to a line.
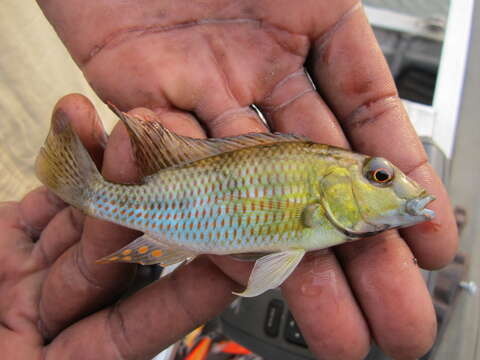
point(65, 166)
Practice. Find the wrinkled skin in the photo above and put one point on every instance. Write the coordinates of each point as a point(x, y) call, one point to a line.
point(198, 65)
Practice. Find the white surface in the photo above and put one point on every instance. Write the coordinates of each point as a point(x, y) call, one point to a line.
point(448, 92)
point(404, 23)
point(422, 117)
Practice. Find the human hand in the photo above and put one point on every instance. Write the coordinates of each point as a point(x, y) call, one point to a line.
point(215, 58)
point(57, 303)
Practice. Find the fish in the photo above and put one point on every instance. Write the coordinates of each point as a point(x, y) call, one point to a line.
point(264, 197)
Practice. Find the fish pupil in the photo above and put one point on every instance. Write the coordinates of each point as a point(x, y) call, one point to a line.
point(381, 175)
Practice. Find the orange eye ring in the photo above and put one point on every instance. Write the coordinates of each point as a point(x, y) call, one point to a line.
point(378, 171)
point(381, 175)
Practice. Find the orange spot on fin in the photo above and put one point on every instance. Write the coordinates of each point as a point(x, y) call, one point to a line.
point(157, 253)
point(142, 249)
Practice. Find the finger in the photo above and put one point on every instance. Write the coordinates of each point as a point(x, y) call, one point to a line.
point(62, 232)
point(294, 101)
point(232, 122)
point(321, 302)
point(30, 215)
point(224, 114)
point(325, 309)
point(421, 238)
point(85, 122)
point(353, 76)
point(142, 325)
point(180, 122)
point(37, 208)
point(387, 283)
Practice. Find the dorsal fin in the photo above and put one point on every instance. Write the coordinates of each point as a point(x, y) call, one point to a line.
point(157, 148)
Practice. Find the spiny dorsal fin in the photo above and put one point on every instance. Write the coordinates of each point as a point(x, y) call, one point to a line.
point(157, 148)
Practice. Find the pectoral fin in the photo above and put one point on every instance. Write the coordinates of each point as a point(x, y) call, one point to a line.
point(148, 250)
point(271, 271)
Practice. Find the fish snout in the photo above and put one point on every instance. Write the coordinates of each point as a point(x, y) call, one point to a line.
point(416, 207)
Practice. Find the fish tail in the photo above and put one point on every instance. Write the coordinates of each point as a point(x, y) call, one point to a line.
point(65, 166)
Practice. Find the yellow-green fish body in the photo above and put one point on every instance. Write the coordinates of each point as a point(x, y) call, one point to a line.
point(229, 203)
point(271, 194)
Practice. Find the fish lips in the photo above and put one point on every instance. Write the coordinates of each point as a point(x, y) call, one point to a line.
point(414, 213)
point(416, 207)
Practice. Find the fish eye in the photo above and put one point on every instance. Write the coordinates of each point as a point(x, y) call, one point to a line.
point(378, 171)
point(381, 176)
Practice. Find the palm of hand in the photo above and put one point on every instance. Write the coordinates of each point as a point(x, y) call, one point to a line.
point(213, 60)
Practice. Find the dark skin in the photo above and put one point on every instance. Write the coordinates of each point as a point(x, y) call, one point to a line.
point(197, 66)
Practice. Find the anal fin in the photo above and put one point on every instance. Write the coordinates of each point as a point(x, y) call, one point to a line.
point(147, 250)
point(271, 271)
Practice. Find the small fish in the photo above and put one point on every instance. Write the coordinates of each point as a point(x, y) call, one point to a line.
point(269, 197)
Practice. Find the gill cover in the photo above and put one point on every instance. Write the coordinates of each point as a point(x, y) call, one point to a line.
point(341, 207)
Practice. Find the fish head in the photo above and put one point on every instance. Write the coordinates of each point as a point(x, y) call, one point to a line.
point(372, 195)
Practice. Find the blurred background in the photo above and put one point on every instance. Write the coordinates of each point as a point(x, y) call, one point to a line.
point(433, 48)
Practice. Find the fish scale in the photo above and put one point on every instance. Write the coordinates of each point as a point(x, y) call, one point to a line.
point(224, 197)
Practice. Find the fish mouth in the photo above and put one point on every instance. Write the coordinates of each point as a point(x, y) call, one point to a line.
point(416, 207)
